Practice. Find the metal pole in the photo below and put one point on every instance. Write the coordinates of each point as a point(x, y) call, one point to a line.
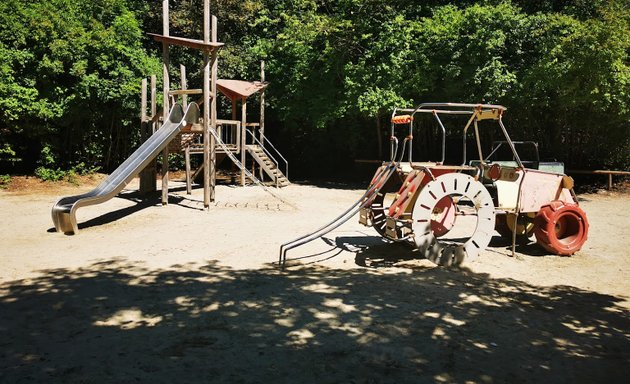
point(443, 136)
point(410, 142)
point(510, 143)
point(478, 142)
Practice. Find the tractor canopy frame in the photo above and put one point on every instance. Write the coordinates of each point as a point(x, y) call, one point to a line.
point(477, 112)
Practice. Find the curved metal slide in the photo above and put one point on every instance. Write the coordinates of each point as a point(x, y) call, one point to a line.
point(64, 210)
point(380, 179)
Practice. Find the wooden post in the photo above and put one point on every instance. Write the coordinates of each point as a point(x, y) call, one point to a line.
point(262, 104)
point(207, 194)
point(153, 128)
point(148, 178)
point(609, 181)
point(145, 175)
point(188, 177)
point(143, 101)
point(153, 100)
point(213, 109)
point(262, 113)
point(184, 85)
point(165, 103)
point(243, 137)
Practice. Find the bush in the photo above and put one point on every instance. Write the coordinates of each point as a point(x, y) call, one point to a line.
point(84, 170)
point(48, 171)
point(5, 180)
point(50, 174)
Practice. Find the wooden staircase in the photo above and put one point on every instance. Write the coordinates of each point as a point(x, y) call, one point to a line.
point(268, 165)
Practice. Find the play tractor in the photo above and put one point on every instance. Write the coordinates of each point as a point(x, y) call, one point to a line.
point(449, 213)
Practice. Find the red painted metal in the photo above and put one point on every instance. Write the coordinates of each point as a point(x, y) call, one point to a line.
point(561, 228)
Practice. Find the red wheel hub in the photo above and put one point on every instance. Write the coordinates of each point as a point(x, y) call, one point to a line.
point(443, 216)
point(561, 228)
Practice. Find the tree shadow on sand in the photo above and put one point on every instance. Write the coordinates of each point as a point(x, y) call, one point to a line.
point(115, 321)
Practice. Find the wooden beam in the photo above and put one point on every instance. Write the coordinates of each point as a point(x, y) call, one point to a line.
point(609, 173)
point(191, 43)
point(599, 172)
point(195, 128)
point(185, 92)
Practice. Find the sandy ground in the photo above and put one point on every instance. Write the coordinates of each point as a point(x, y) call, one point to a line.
point(146, 293)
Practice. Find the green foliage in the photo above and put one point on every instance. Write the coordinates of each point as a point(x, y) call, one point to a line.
point(50, 174)
point(70, 75)
point(48, 169)
point(70, 72)
point(175, 162)
point(84, 169)
point(5, 181)
point(8, 155)
point(561, 68)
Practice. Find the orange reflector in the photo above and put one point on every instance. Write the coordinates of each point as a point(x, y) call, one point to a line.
point(402, 119)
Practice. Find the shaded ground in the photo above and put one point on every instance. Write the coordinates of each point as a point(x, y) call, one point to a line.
point(173, 294)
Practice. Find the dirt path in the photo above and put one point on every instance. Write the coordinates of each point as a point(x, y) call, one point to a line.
point(170, 294)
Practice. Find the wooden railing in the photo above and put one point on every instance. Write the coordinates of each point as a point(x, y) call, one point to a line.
point(600, 172)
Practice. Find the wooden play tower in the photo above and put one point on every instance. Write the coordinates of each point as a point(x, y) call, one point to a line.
point(212, 137)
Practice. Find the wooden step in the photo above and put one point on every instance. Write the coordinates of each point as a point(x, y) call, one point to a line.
point(270, 168)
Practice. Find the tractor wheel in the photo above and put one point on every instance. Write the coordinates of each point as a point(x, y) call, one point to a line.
point(381, 202)
point(471, 228)
point(504, 224)
point(561, 228)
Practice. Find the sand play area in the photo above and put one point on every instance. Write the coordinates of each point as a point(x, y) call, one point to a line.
point(175, 294)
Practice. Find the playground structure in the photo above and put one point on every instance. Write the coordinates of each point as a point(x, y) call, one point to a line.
point(195, 131)
point(449, 213)
point(240, 137)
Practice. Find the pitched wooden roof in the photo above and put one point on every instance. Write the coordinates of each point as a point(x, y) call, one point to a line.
point(239, 88)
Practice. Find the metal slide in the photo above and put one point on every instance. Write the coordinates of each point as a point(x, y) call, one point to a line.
point(64, 210)
point(381, 180)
